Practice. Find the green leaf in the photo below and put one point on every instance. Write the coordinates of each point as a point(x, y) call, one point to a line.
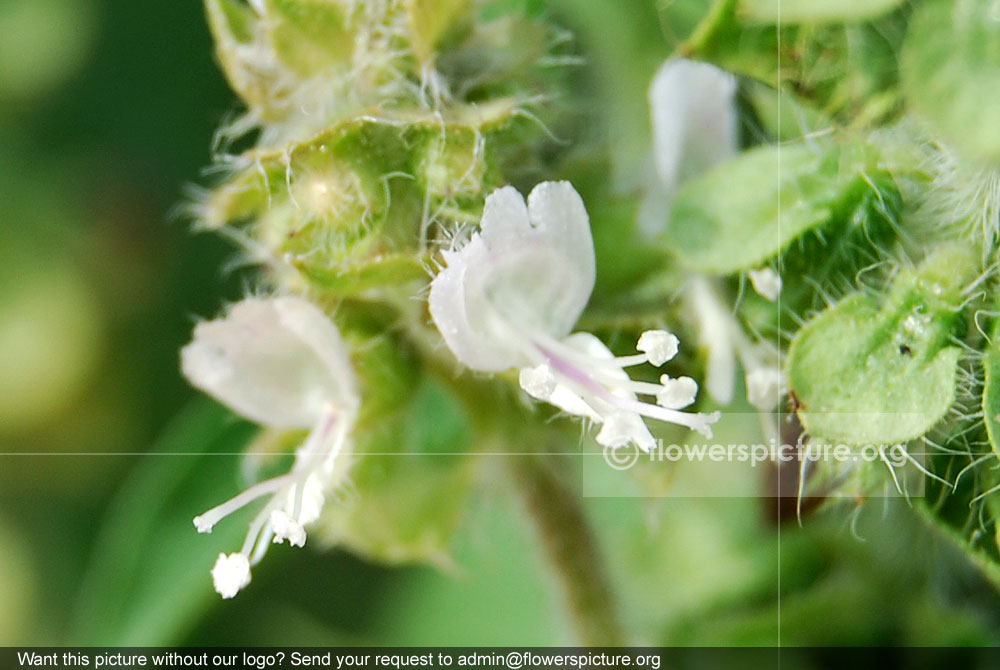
point(815, 11)
point(950, 68)
point(728, 220)
point(747, 210)
point(979, 553)
point(148, 580)
point(781, 115)
point(871, 372)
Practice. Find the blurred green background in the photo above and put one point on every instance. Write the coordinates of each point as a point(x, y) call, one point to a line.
point(107, 112)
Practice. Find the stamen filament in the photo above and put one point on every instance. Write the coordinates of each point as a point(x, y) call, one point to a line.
point(699, 422)
point(623, 361)
point(642, 388)
point(252, 540)
point(205, 522)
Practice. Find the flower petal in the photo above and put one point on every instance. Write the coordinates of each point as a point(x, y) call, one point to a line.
point(530, 269)
point(694, 121)
point(277, 361)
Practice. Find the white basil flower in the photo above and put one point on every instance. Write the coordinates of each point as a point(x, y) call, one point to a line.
point(278, 361)
point(694, 127)
point(509, 298)
point(766, 282)
point(723, 337)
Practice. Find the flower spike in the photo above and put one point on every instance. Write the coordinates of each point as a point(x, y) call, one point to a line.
point(280, 362)
point(510, 297)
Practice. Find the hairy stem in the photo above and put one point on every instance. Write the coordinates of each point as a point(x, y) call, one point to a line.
point(553, 504)
point(571, 548)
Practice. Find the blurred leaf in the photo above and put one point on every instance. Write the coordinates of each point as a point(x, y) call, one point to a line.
point(625, 45)
point(981, 554)
point(815, 11)
point(749, 209)
point(148, 579)
point(52, 337)
point(950, 68)
point(499, 593)
point(18, 584)
point(44, 43)
point(728, 219)
point(782, 116)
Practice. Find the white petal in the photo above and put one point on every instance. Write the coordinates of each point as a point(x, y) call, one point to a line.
point(530, 269)
point(505, 223)
point(277, 361)
point(621, 428)
point(463, 315)
point(312, 501)
point(677, 393)
point(694, 120)
point(658, 345)
point(538, 382)
point(556, 209)
point(766, 282)
point(571, 403)
point(764, 386)
point(715, 332)
point(230, 574)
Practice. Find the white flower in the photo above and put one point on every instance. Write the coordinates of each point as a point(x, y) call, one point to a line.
point(510, 297)
point(766, 282)
point(280, 362)
point(721, 334)
point(694, 127)
point(764, 387)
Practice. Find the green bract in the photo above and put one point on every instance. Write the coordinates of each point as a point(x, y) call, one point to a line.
point(352, 208)
point(873, 371)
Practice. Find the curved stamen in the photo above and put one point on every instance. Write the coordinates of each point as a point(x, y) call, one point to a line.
point(699, 422)
point(205, 522)
point(582, 383)
point(252, 544)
